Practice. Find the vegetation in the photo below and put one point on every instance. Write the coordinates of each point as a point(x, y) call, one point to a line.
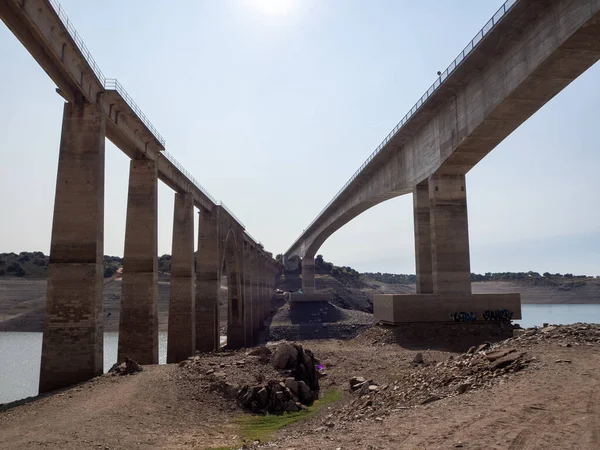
point(263, 428)
point(344, 274)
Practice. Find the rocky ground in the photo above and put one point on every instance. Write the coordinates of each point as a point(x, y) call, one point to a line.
point(539, 389)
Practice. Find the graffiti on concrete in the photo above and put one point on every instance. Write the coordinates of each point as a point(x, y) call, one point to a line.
point(463, 316)
point(497, 315)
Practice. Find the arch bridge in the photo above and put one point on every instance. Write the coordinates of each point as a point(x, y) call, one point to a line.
point(526, 54)
point(97, 108)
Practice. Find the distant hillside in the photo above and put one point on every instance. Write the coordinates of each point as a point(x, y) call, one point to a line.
point(34, 265)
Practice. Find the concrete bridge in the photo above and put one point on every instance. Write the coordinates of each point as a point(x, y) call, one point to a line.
point(97, 108)
point(526, 54)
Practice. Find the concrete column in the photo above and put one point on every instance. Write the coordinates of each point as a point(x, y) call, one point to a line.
point(256, 293)
point(181, 341)
point(72, 345)
point(138, 326)
point(207, 282)
point(235, 322)
point(308, 275)
point(422, 239)
point(449, 235)
point(247, 305)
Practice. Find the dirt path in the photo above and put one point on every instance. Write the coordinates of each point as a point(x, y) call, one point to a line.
point(554, 403)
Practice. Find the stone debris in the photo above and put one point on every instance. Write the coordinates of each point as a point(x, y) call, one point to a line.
point(129, 367)
point(481, 367)
point(298, 388)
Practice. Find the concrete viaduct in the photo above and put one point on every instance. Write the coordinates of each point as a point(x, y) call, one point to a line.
point(526, 54)
point(97, 108)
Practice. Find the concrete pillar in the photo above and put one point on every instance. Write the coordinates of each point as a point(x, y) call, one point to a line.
point(308, 275)
point(449, 235)
point(181, 341)
point(256, 293)
point(235, 322)
point(422, 239)
point(72, 345)
point(247, 305)
point(138, 326)
point(207, 282)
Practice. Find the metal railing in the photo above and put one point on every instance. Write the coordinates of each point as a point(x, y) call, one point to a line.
point(232, 214)
point(109, 83)
point(62, 15)
point(185, 173)
point(113, 84)
point(434, 87)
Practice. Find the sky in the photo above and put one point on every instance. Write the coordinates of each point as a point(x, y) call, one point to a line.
point(273, 104)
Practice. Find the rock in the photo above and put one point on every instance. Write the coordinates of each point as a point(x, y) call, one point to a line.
point(292, 385)
point(433, 398)
point(285, 356)
point(304, 394)
point(418, 359)
point(290, 406)
point(373, 388)
point(357, 380)
point(463, 388)
point(493, 356)
point(129, 367)
point(230, 390)
point(563, 361)
point(506, 360)
point(483, 346)
point(471, 350)
point(518, 332)
point(262, 397)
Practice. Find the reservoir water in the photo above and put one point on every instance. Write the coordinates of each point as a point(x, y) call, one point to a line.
point(20, 353)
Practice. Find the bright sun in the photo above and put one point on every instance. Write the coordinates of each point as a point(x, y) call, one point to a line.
point(274, 8)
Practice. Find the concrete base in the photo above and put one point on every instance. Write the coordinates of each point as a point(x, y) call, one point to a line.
point(305, 298)
point(395, 309)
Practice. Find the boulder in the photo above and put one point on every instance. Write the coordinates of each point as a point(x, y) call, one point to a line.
point(262, 398)
point(304, 394)
point(418, 359)
point(292, 385)
point(285, 356)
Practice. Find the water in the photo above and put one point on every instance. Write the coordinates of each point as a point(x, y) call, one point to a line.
point(20, 353)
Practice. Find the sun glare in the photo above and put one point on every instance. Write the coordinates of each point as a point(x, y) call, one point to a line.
point(275, 9)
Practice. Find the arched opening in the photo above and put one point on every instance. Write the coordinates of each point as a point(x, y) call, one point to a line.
point(231, 326)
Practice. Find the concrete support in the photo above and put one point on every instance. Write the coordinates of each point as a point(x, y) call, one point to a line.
point(235, 322)
point(256, 294)
point(308, 275)
point(207, 282)
point(247, 304)
point(72, 346)
point(181, 341)
point(451, 266)
point(138, 326)
point(422, 239)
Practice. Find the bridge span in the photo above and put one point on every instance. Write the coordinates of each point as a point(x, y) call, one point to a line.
point(527, 53)
point(97, 108)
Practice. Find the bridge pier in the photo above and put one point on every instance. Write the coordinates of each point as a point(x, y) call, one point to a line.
point(181, 342)
point(450, 260)
point(256, 299)
point(235, 318)
point(308, 275)
point(207, 282)
point(138, 325)
point(422, 239)
point(247, 303)
point(72, 345)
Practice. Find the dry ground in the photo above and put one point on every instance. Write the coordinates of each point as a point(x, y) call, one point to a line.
point(548, 405)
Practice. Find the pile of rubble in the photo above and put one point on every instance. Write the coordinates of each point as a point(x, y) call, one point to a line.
point(129, 367)
point(566, 335)
point(431, 381)
point(286, 380)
